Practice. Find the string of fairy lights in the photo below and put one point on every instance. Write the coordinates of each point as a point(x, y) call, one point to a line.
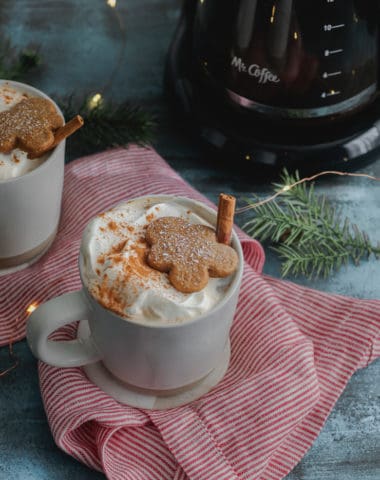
point(290, 186)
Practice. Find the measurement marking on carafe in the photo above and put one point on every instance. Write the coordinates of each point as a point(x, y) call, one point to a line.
point(328, 26)
point(333, 52)
point(331, 74)
point(330, 94)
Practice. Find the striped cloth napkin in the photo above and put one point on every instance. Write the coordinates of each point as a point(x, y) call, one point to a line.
point(293, 352)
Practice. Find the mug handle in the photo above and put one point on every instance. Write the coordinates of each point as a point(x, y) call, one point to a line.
point(52, 315)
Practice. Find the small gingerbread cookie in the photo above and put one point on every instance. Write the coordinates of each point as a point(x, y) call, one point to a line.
point(189, 253)
point(29, 125)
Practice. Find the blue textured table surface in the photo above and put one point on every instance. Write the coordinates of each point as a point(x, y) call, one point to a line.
point(80, 43)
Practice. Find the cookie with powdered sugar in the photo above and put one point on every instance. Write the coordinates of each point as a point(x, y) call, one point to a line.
point(189, 253)
point(29, 125)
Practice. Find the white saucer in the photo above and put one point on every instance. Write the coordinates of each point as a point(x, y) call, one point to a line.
point(149, 399)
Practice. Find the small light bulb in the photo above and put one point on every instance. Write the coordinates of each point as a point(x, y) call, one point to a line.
point(95, 101)
point(31, 308)
point(295, 36)
point(248, 157)
point(111, 3)
point(286, 188)
point(273, 14)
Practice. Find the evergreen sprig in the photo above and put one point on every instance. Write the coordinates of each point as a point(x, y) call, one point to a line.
point(15, 64)
point(310, 236)
point(108, 125)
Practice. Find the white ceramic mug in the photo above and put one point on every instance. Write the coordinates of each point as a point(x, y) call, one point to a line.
point(161, 357)
point(30, 205)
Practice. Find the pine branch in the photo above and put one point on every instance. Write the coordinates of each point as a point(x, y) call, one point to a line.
point(14, 65)
point(312, 260)
point(309, 234)
point(108, 125)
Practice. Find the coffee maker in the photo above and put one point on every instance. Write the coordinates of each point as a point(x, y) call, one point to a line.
point(280, 82)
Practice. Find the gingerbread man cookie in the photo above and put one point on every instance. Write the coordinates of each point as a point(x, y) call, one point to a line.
point(189, 253)
point(29, 125)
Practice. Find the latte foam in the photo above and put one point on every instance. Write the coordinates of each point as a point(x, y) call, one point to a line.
point(114, 269)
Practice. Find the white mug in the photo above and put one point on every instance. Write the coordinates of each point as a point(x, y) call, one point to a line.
point(30, 205)
point(161, 357)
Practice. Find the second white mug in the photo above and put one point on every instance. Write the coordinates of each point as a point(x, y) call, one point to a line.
point(30, 205)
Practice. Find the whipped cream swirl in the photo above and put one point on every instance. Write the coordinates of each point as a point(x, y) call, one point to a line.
point(114, 270)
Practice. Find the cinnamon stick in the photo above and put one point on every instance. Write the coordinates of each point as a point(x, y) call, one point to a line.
point(61, 133)
point(225, 218)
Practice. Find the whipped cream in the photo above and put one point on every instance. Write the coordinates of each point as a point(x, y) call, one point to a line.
point(114, 270)
point(15, 163)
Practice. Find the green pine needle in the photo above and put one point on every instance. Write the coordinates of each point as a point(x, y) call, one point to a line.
point(107, 125)
point(309, 235)
point(14, 65)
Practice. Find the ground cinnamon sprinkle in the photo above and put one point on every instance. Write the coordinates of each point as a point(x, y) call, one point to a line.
point(117, 258)
point(137, 263)
point(135, 266)
point(15, 158)
point(118, 248)
point(112, 225)
point(108, 297)
point(125, 260)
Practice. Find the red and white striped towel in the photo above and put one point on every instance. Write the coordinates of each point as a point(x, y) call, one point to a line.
point(293, 351)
